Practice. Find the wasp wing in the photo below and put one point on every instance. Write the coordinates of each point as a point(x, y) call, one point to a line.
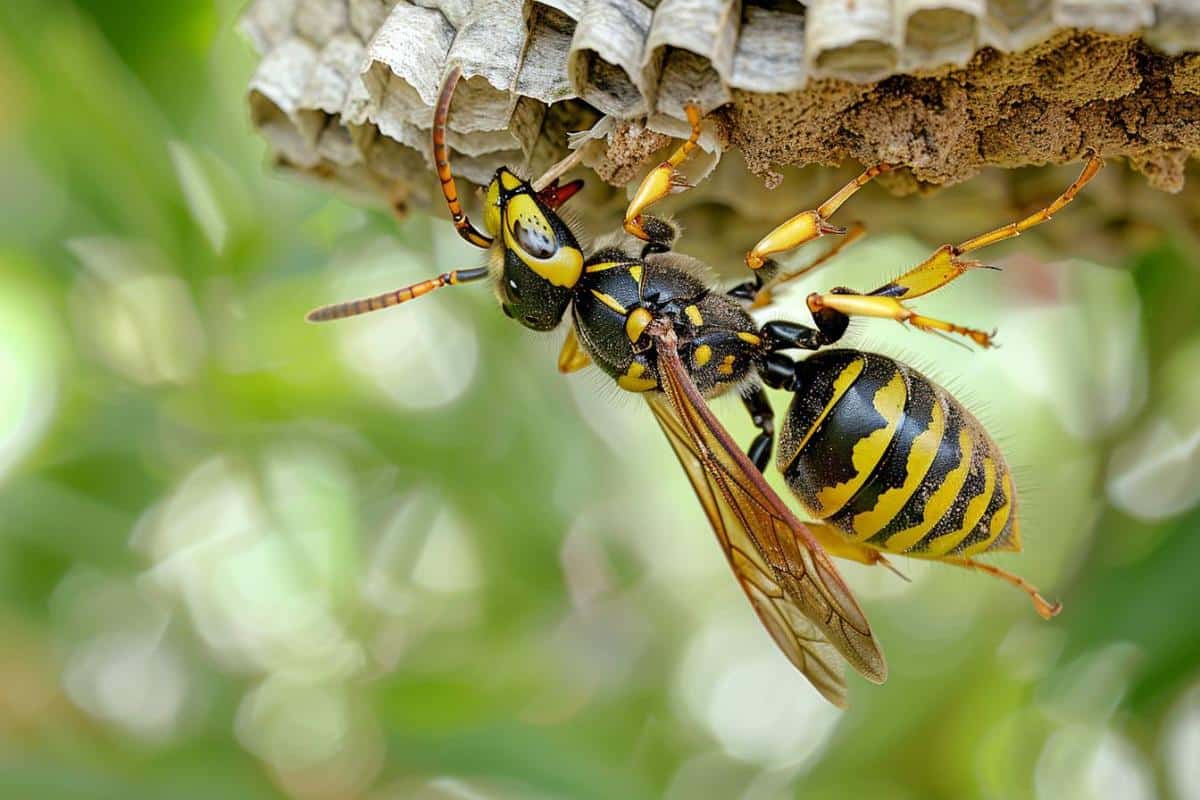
point(790, 581)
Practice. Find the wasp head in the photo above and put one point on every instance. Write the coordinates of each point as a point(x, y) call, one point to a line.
point(541, 259)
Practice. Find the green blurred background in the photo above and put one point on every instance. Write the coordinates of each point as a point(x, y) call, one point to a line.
point(401, 557)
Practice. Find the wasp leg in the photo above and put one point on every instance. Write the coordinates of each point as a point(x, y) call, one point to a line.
point(763, 276)
point(809, 225)
point(767, 278)
point(834, 543)
point(947, 263)
point(663, 180)
point(783, 335)
point(778, 371)
point(396, 296)
point(572, 357)
point(860, 305)
point(1044, 607)
point(764, 294)
point(763, 416)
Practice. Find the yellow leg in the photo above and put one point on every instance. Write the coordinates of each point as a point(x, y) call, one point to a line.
point(572, 357)
point(932, 273)
point(1044, 608)
point(834, 543)
point(765, 295)
point(945, 264)
point(663, 180)
point(809, 225)
point(861, 305)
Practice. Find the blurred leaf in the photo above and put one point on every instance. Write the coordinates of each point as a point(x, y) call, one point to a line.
point(525, 754)
point(201, 198)
point(1148, 603)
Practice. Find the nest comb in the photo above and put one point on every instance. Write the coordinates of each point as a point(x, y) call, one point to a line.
point(345, 90)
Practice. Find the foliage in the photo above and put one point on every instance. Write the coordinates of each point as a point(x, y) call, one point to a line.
point(244, 557)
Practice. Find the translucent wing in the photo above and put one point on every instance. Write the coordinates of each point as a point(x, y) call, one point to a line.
point(792, 584)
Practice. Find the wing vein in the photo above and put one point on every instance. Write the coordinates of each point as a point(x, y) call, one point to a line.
point(790, 582)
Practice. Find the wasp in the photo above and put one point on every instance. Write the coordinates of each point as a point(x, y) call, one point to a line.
point(881, 459)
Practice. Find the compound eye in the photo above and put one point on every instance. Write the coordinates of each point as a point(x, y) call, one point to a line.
point(535, 242)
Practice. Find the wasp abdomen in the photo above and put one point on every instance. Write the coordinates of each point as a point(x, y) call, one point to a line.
point(894, 461)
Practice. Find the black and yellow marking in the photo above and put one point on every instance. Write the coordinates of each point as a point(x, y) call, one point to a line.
point(637, 378)
point(823, 390)
point(636, 322)
point(533, 232)
point(903, 468)
point(888, 402)
point(891, 460)
point(604, 266)
point(609, 301)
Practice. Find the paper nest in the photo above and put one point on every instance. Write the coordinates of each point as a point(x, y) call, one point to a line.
point(345, 88)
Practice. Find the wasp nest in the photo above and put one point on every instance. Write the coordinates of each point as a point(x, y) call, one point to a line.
point(942, 88)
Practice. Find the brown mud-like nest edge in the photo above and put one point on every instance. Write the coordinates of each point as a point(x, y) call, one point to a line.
point(1076, 92)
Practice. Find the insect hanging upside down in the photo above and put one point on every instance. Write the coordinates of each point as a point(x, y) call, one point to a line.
point(881, 458)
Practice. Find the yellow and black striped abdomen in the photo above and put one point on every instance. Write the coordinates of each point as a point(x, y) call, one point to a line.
point(892, 460)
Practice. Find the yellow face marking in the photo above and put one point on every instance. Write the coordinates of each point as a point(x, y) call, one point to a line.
point(562, 267)
point(920, 458)
point(633, 381)
point(841, 385)
point(509, 181)
point(603, 265)
point(635, 272)
point(726, 365)
point(702, 355)
point(749, 338)
point(491, 209)
point(975, 508)
point(693, 314)
point(636, 322)
point(939, 502)
point(609, 301)
point(869, 450)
